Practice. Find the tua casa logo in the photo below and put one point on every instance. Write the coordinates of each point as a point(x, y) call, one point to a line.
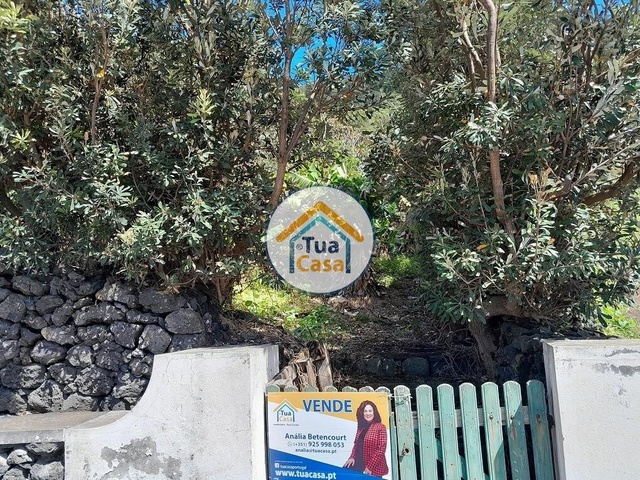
point(320, 240)
point(285, 413)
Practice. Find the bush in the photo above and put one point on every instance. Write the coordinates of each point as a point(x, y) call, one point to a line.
point(125, 142)
point(556, 235)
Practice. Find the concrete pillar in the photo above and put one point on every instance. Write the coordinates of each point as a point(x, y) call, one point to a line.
point(201, 417)
point(595, 401)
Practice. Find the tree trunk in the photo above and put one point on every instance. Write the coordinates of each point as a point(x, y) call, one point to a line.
point(278, 183)
point(487, 347)
point(500, 305)
point(494, 155)
point(224, 289)
point(284, 151)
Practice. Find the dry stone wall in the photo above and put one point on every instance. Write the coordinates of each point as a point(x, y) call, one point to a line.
point(35, 461)
point(70, 342)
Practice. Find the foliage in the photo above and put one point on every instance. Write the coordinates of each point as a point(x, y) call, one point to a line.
point(564, 129)
point(124, 140)
point(343, 53)
point(332, 155)
point(143, 137)
point(319, 324)
point(269, 300)
point(618, 323)
point(392, 269)
point(295, 311)
point(153, 139)
point(328, 164)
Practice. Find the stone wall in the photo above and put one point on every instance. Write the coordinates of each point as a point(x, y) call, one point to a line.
point(519, 358)
point(68, 342)
point(36, 461)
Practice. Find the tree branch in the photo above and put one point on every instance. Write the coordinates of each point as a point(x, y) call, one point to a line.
point(283, 143)
point(616, 188)
point(26, 118)
point(494, 153)
point(473, 53)
point(98, 81)
point(7, 204)
point(303, 119)
point(492, 38)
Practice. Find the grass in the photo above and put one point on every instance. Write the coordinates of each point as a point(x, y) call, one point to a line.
point(298, 313)
point(391, 270)
point(321, 323)
point(618, 323)
point(306, 316)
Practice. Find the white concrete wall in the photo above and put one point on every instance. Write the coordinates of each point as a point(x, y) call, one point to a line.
point(595, 401)
point(202, 417)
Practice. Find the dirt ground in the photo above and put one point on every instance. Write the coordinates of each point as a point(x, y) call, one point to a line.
point(389, 324)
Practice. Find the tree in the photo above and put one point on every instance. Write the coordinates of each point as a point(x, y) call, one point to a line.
point(141, 137)
point(130, 137)
point(341, 46)
point(522, 138)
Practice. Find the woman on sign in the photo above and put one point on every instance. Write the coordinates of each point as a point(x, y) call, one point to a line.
point(370, 445)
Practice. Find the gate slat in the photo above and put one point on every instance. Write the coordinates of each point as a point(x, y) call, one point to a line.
point(515, 431)
point(393, 468)
point(448, 432)
point(493, 431)
point(471, 432)
point(395, 473)
point(538, 419)
point(406, 438)
point(427, 432)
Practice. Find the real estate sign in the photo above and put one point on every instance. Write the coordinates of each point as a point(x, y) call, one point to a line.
point(330, 436)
